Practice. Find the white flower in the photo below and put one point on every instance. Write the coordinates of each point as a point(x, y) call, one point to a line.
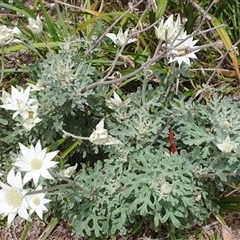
point(227, 145)
point(30, 117)
point(120, 38)
point(12, 198)
point(35, 161)
point(37, 202)
point(166, 188)
point(35, 26)
point(167, 31)
point(7, 35)
point(116, 101)
point(68, 172)
point(5, 97)
point(100, 136)
point(184, 51)
point(17, 101)
point(36, 87)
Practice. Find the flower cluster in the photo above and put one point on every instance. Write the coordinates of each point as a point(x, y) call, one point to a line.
point(180, 46)
point(19, 102)
point(35, 161)
point(169, 30)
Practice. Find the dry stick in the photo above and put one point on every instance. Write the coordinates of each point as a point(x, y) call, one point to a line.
point(204, 13)
point(217, 67)
point(164, 126)
point(212, 175)
point(145, 65)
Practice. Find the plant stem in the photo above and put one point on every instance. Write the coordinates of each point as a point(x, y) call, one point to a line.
point(25, 230)
point(2, 61)
point(172, 76)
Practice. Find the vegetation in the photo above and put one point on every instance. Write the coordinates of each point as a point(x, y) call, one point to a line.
point(122, 119)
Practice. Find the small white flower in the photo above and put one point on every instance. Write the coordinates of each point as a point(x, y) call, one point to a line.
point(100, 136)
point(17, 101)
point(184, 51)
point(7, 35)
point(120, 38)
point(166, 188)
point(116, 101)
point(167, 31)
point(37, 202)
point(5, 97)
point(68, 172)
point(36, 87)
point(227, 145)
point(12, 198)
point(35, 26)
point(35, 161)
point(30, 117)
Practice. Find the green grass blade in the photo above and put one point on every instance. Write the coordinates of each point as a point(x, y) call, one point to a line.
point(161, 8)
point(50, 22)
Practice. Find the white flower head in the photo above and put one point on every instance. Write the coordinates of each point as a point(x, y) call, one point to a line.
point(166, 188)
point(68, 172)
point(120, 38)
point(30, 117)
point(5, 97)
point(35, 26)
point(7, 35)
point(184, 51)
point(35, 161)
point(167, 31)
point(100, 136)
point(116, 101)
point(17, 101)
point(227, 145)
point(36, 87)
point(12, 198)
point(37, 202)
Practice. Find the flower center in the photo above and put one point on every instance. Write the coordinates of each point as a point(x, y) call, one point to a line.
point(30, 114)
point(182, 51)
point(36, 201)
point(36, 164)
point(13, 198)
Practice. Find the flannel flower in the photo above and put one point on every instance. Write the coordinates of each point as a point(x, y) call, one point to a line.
point(100, 136)
point(167, 31)
point(12, 198)
point(7, 35)
point(116, 101)
point(35, 161)
point(227, 145)
point(35, 26)
point(17, 101)
point(30, 117)
point(37, 202)
point(184, 49)
point(120, 38)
